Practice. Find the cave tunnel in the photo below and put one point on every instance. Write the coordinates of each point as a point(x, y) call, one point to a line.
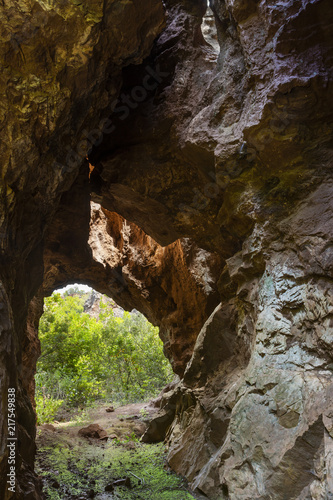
point(180, 164)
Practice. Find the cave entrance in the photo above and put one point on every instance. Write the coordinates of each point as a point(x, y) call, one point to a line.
point(99, 369)
point(94, 352)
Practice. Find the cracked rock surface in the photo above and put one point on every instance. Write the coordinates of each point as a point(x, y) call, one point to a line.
point(186, 172)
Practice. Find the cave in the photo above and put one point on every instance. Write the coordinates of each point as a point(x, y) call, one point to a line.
point(191, 181)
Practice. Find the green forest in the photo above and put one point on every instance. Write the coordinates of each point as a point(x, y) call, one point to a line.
point(85, 358)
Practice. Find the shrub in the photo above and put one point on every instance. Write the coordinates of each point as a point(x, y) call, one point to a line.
point(47, 408)
point(84, 359)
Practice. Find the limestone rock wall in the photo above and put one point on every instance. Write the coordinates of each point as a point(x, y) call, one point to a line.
point(262, 401)
point(210, 174)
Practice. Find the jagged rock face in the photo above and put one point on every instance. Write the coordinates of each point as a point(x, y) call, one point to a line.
point(208, 158)
point(261, 403)
point(226, 143)
point(92, 305)
point(173, 285)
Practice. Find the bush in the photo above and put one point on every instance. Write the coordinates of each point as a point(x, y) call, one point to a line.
point(84, 359)
point(47, 408)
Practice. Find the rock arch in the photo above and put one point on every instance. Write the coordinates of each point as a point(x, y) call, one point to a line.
point(211, 188)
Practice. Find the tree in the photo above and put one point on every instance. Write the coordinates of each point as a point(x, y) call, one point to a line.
point(84, 358)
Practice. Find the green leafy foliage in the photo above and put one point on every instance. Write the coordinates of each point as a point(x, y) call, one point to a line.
point(46, 408)
point(134, 358)
point(84, 359)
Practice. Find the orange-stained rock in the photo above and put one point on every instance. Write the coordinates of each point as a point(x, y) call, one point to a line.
point(173, 285)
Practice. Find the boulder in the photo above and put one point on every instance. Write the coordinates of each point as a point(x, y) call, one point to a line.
point(93, 431)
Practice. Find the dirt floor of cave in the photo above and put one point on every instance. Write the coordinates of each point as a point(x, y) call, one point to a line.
point(72, 467)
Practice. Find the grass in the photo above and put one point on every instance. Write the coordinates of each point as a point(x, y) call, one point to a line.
point(79, 467)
